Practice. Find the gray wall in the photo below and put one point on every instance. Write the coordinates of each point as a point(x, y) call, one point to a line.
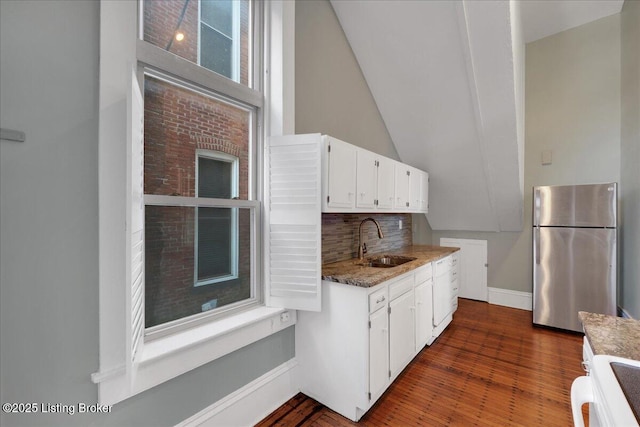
point(572, 107)
point(630, 158)
point(332, 96)
point(49, 233)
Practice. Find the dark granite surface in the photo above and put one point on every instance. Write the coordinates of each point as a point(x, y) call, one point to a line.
point(351, 273)
point(629, 378)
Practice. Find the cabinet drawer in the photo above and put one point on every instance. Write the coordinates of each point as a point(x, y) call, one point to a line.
point(454, 258)
point(442, 266)
point(454, 275)
point(454, 288)
point(454, 303)
point(424, 273)
point(400, 287)
point(377, 300)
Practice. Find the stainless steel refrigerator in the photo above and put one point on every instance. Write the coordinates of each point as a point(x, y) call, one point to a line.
point(574, 253)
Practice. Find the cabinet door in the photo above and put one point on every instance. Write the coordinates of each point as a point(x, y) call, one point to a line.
point(366, 177)
point(340, 171)
point(386, 179)
point(441, 298)
point(378, 352)
point(424, 313)
point(424, 192)
point(442, 290)
point(401, 185)
point(401, 332)
point(415, 199)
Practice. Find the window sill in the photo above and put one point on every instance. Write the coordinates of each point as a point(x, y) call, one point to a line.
point(166, 358)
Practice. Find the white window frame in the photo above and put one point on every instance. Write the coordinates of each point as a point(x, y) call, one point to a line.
point(234, 161)
point(124, 372)
point(235, 38)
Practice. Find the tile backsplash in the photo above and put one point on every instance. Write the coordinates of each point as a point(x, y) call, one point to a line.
point(340, 234)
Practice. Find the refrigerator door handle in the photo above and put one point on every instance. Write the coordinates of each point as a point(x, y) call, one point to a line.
point(536, 240)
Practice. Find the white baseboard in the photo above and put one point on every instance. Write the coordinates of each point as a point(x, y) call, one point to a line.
point(509, 298)
point(251, 403)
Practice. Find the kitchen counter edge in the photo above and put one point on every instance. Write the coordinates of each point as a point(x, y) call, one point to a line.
point(611, 335)
point(348, 272)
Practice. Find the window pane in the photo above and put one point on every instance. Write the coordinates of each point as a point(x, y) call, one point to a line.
point(177, 123)
point(216, 54)
point(215, 178)
point(216, 243)
point(218, 14)
point(170, 256)
point(164, 19)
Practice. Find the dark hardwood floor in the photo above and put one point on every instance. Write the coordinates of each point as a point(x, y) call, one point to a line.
point(490, 367)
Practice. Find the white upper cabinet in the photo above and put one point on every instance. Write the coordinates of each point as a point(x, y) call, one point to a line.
point(419, 190)
point(402, 187)
point(358, 180)
point(424, 192)
point(374, 181)
point(339, 175)
point(366, 179)
point(385, 183)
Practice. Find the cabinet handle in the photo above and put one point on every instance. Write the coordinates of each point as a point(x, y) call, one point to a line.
point(380, 300)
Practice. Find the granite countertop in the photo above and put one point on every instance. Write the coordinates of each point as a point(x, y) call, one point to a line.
point(350, 273)
point(611, 335)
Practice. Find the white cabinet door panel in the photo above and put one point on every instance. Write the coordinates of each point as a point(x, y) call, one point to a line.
point(340, 174)
point(386, 178)
point(415, 199)
point(401, 185)
point(401, 332)
point(424, 313)
point(366, 177)
point(378, 352)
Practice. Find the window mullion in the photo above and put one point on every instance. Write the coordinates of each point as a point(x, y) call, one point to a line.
point(160, 200)
point(160, 59)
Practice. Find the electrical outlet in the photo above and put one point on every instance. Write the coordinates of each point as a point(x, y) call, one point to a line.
point(285, 317)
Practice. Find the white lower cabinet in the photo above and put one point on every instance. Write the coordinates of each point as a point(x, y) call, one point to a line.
point(402, 345)
point(350, 352)
point(378, 354)
point(424, 306)
point(455, 281)
point(443, 297)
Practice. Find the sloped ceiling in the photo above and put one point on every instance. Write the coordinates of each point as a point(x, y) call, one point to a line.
point(448, 79)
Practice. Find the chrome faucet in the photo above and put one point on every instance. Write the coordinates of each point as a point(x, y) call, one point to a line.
point(362, 247)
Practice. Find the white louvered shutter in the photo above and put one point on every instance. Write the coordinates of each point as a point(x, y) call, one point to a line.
point(136, 219)
point(294, 222)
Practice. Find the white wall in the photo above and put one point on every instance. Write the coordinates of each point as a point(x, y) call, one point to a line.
point(49, 53)
point(630, 158)
point(332, 96)
point(572, 108)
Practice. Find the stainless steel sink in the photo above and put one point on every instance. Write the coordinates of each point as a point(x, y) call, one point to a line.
point(386, 261)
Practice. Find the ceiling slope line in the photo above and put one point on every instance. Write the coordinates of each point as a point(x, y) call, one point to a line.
point(475, 101)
